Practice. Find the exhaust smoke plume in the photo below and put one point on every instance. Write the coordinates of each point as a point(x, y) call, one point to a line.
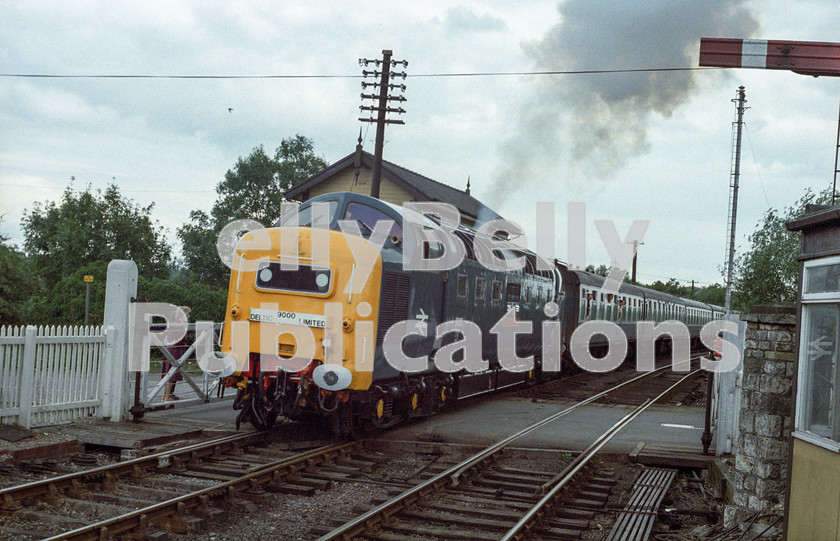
point(582, 126)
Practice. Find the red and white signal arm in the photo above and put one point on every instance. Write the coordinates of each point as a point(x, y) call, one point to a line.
point(804, 57)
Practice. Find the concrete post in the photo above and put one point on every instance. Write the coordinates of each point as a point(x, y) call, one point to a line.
point(120, 289)
point(728, 394)
point(106, 366)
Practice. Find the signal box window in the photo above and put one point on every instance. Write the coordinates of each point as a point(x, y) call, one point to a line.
point(818, 410)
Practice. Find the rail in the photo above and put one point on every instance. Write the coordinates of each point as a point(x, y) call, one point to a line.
point(10, 495)
point(453, 475)
point(142, 518)
point(553, 487)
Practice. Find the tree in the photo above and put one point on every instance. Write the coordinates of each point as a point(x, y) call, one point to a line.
point(201, 258)
point(18, 284)
point(80, 235)
point(600, 270)
point(207, 303)
point(713, 294)
point(253, 189)
point(64, 303)
point(768, 271)
point(672, 286)
point(86, 227)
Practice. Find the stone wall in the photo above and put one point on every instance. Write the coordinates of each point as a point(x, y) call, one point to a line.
point(765, 423)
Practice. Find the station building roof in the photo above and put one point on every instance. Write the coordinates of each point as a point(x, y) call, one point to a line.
point(398, 185)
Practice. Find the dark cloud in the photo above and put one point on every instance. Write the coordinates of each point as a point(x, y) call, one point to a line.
point(585, 124)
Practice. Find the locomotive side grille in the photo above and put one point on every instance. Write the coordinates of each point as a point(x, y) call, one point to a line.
point(396, 289)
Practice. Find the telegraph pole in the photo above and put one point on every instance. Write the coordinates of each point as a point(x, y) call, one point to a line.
point(635, 257)
point(382, 99)
point(733, 194)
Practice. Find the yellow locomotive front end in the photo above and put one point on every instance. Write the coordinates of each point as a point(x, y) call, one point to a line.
point(300, 321)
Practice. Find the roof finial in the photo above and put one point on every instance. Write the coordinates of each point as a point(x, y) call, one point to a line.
point(467, 191)
point(357, 161)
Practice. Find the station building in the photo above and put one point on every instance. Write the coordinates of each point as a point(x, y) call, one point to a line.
point(813, 489)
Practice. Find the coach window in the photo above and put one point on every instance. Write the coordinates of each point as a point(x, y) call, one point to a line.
point(818, 411)
point(586, 300)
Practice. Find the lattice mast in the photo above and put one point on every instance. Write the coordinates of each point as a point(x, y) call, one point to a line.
point(836, 163)
point(734, 175)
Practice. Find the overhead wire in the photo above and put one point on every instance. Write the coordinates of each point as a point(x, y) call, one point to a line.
point(340, 76)
point(757, 168)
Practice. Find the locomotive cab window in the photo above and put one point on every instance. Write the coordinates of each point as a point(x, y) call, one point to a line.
point(304, 214)
point(367, 216)
point(818, 408)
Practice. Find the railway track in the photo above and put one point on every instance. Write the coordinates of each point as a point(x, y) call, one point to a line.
point(178, 490)
point(174, 490)
point(581, 385)
point(485, 498)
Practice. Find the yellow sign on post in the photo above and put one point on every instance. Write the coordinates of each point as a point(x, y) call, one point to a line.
point(88, 278)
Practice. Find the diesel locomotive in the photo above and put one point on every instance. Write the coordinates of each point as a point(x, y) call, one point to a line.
point(367, 342)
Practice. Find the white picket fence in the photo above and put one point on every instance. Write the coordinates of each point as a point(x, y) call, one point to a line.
point(53, 374)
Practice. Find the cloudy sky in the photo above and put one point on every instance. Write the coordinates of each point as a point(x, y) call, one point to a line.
point(633, 146)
